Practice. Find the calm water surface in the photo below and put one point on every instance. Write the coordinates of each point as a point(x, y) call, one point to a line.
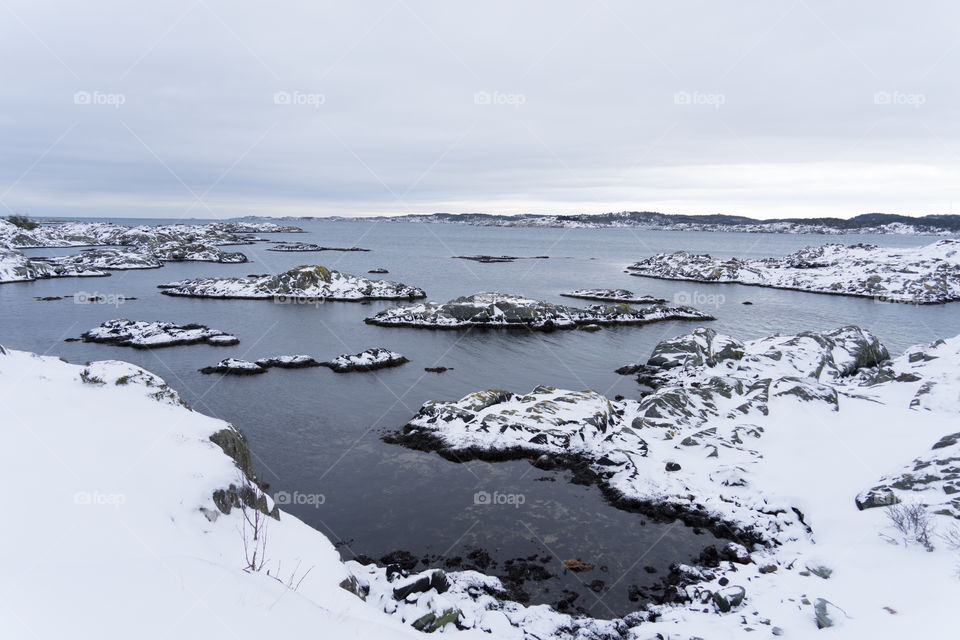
point(313, 431)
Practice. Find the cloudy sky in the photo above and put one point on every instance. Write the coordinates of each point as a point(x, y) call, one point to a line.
point(216, 108)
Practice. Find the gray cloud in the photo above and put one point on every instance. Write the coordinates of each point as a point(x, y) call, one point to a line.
point(214, 108)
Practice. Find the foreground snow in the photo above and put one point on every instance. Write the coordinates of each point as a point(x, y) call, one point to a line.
point(921, 275)
point(127, 524)
point(501, 310)
point(117, 534)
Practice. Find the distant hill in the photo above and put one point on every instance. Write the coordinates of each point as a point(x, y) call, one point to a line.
point(873, 222)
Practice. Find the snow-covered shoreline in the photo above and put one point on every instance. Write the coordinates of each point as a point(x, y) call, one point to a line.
point(922, 275)
point(108, 246)
point(797, 442)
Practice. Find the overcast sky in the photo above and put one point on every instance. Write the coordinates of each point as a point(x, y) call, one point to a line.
point(216, 108)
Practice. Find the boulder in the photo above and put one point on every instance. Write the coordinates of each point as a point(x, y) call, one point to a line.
point(729, 598)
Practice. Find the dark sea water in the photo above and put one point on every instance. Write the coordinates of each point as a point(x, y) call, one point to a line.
point(313, 431)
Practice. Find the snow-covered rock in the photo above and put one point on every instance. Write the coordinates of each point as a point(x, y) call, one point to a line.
point(175, 251)
point(79, 234)
point(433, 600)
point(933, 476)
point(303, 283)
point(149, 335)
point(234, 366)
point(16, 267)
point(106, 260)
point(366, 360)
point(921, 275)
point(613, 295)
point(502, 310)
point(770, 443)
point(307, 247)
point(825, 356)
point(140, 247)
point(484, 259)
point(288, 362)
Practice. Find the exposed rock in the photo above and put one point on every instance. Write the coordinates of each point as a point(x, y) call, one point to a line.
point(234, 443)
point(827, 614)
point(432, 622)
point(437, 580)
point(577, 566)
point(234, 497)
point(820, 571)
point(729, 598)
